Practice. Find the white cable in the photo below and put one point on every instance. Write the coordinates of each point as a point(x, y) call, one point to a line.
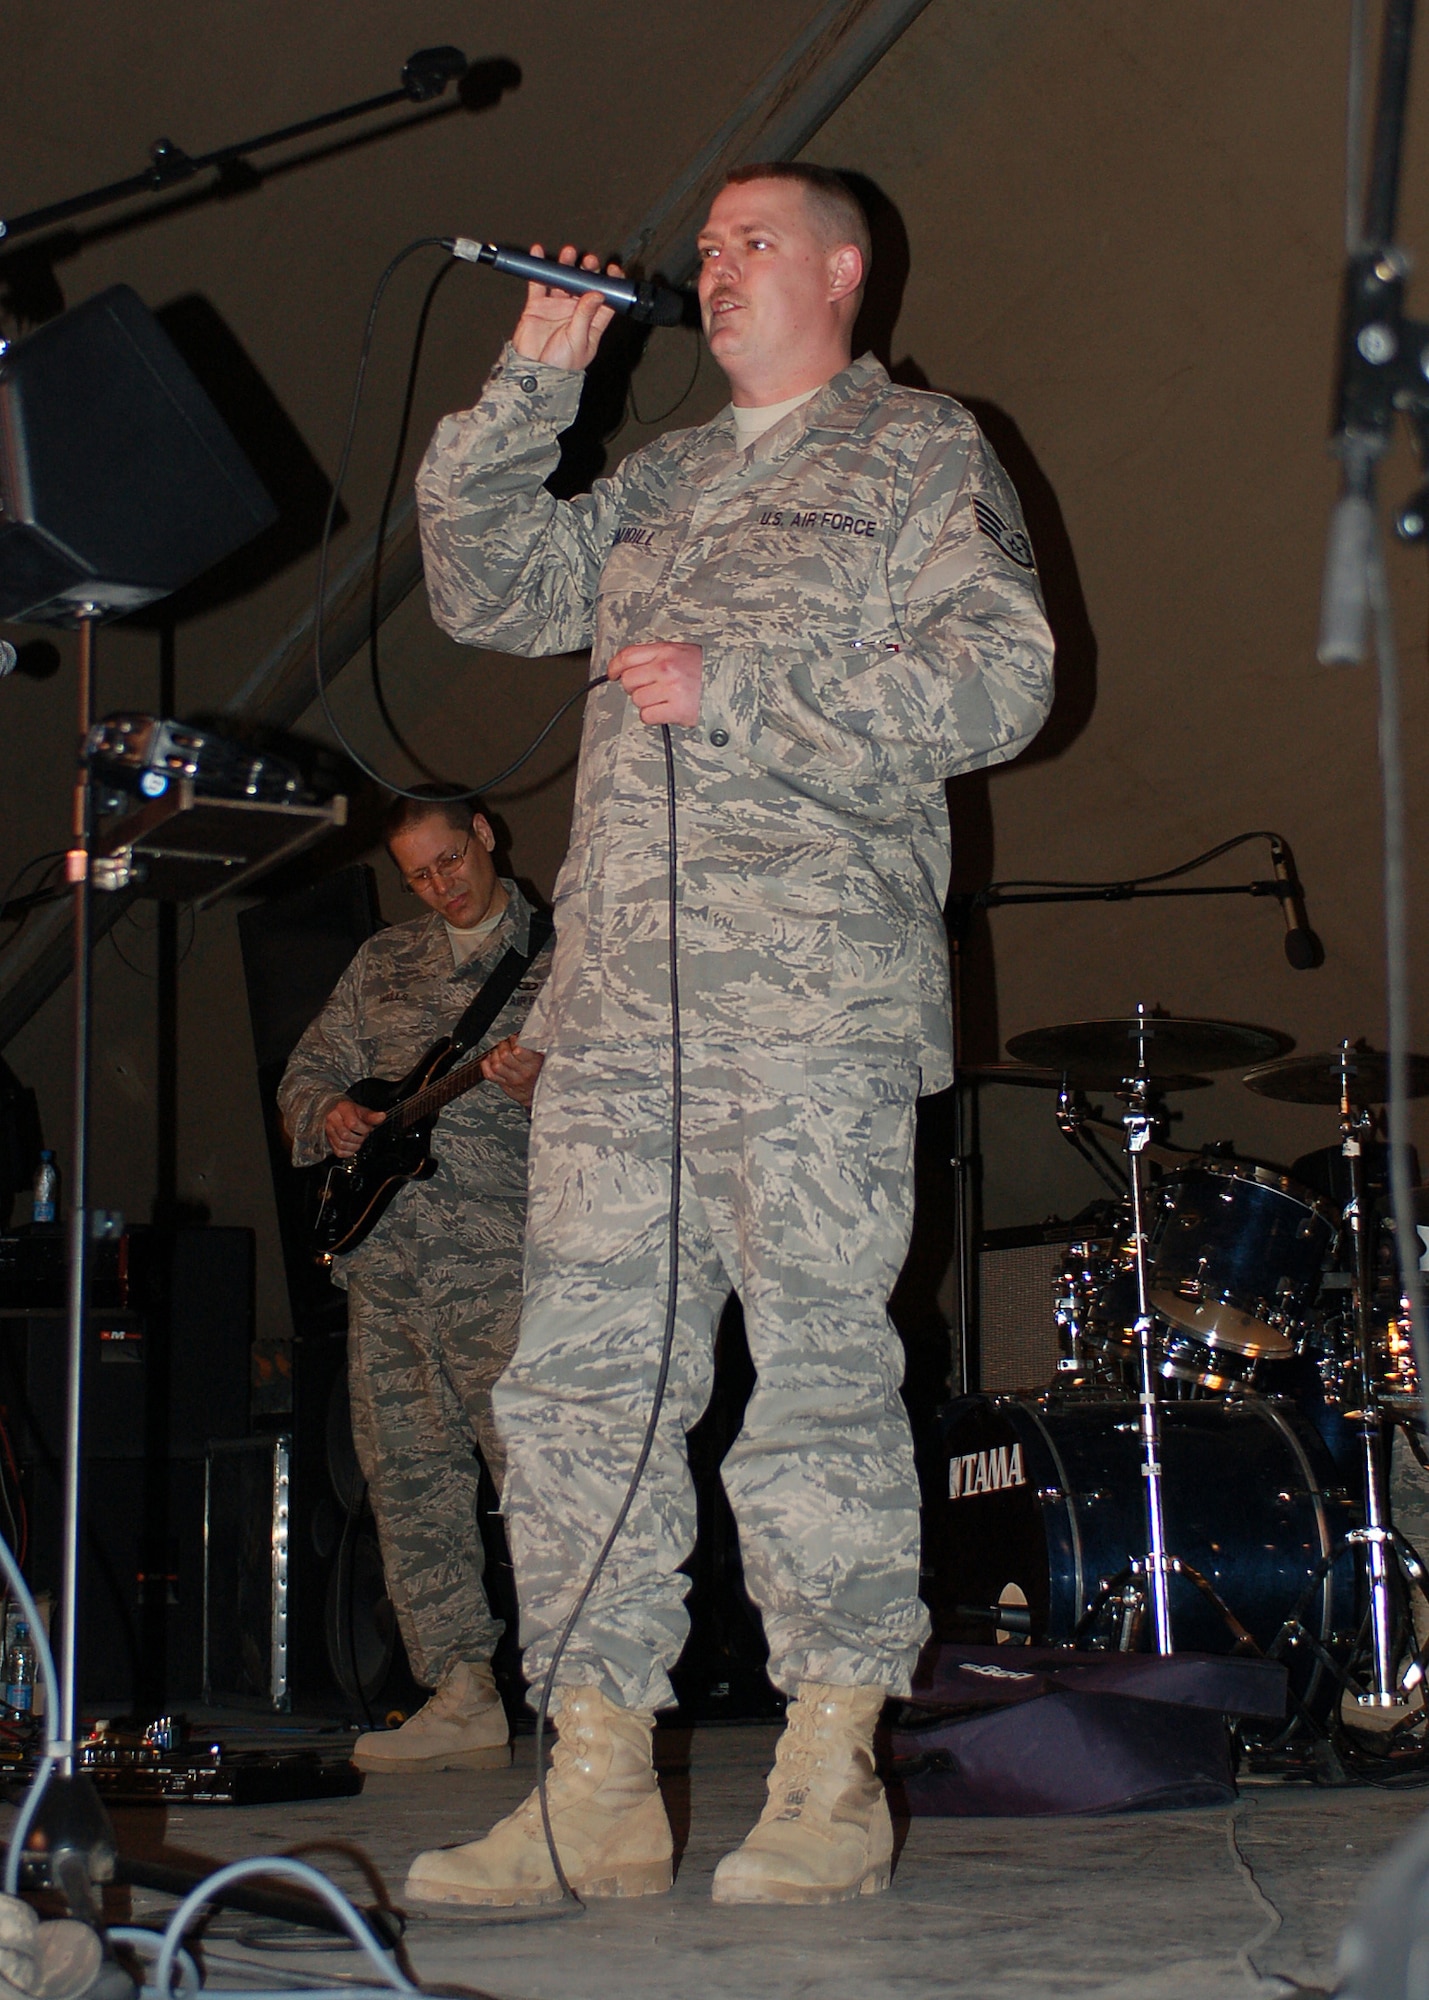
point(146, 1945)
point(392, 1978)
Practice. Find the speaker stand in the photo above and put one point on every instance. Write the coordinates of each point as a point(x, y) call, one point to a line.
point(72, 1844)
point(77, 873)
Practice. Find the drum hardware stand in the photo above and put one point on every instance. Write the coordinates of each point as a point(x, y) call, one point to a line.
point(1138, 1122)
point(1295, 1632)
point(1129, 1604)
point(1071, 1119)
point(1355, 1124)
point(967, 1205)
point(1285, 887)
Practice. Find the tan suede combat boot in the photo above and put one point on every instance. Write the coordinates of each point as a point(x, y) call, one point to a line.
point(824, 1835)
point(606, 1815)
point(462, 1728)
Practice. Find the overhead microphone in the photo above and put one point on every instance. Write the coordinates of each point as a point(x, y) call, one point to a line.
point(1303, 949)
point(652, 304)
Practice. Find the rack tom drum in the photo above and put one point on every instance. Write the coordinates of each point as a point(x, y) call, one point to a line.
point(1236, 1255)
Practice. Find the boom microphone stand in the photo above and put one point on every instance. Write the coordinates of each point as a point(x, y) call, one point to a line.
point(1384, 367)
point(425, 75)
point(1302, 948)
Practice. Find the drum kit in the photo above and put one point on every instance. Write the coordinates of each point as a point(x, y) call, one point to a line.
point(1209, 1467)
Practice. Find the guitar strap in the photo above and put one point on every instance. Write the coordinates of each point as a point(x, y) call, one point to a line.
point(501, 982)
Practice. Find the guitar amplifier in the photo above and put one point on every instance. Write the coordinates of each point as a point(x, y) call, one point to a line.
point(1018, 1281)
point(245, 1570)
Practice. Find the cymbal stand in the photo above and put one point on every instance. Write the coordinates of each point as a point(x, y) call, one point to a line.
point(1071, 1123)
point(1139, 1122)
point(1376, 1536)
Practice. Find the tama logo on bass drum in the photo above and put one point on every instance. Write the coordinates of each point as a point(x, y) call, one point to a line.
point(985, 1471)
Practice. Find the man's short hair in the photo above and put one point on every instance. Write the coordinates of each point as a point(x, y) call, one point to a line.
point(429, 802)
point(836, 210)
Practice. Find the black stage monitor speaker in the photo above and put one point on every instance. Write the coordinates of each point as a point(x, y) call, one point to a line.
point(164, 1375)
point(119, 481)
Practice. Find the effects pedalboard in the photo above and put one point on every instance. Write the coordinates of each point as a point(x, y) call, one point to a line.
point(160, 1764)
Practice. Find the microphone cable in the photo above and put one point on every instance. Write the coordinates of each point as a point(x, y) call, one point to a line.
point(1145, 881)
point(667, 1343)
point(344, 743)
point(667, 1340)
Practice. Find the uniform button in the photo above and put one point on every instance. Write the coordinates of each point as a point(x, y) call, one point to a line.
point(719, 737)
point(528, 383)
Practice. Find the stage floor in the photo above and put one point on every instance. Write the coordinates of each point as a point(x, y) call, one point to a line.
point(1164, 1906)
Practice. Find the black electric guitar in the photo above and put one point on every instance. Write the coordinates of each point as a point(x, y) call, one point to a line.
point(353, 1195)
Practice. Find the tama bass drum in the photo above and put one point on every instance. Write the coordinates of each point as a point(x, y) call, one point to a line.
point(1035, 1504)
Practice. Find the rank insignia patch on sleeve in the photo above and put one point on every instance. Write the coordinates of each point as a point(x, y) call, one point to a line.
point(1013, 543)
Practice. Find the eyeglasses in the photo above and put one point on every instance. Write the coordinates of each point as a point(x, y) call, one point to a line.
point(440, 870)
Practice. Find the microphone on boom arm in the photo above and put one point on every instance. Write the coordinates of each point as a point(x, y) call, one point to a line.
point(655, 305)
point(1303, 949)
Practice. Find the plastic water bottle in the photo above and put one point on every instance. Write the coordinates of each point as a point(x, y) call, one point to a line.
point(47, 1187)
point(21, 1666)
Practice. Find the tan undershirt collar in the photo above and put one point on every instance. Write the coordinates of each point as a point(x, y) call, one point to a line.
point(465, 944)
point(750, 424)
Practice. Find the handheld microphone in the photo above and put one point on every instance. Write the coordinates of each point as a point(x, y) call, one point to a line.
point(654, 305)
point(1303, 949)
point(9, 658)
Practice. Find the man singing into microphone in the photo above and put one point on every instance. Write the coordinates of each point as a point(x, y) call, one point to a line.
point(827, 595)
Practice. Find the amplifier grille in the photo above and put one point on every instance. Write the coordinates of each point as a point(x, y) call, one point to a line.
point(1018, 1345)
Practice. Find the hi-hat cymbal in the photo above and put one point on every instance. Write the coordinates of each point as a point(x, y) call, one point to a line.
point(1316, 1079)
point(1110, 1047)
point(1082, 1077)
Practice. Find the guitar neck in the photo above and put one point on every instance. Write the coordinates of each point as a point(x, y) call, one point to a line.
point(428, 1101)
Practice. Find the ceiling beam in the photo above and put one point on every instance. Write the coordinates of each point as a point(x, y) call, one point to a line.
point(793, 99)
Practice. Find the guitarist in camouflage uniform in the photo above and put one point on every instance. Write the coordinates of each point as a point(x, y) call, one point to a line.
point(434, 1292)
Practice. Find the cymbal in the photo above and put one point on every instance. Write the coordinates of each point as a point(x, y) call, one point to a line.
point(1316, 1079)
point(1081, 1077)
point(1110, 1047)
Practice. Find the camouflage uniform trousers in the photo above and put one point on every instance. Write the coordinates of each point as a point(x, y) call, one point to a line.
point(432, 1322)
point(797, 1190)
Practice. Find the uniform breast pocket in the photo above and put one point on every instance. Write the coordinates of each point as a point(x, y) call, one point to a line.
point(394, 1035)
point(635, 563)
point(798, 581)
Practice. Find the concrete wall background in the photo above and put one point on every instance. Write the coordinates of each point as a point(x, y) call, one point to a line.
point(1123, 240)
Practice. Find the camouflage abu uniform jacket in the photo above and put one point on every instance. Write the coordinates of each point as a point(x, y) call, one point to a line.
point(400, 993)
point(866, 602)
